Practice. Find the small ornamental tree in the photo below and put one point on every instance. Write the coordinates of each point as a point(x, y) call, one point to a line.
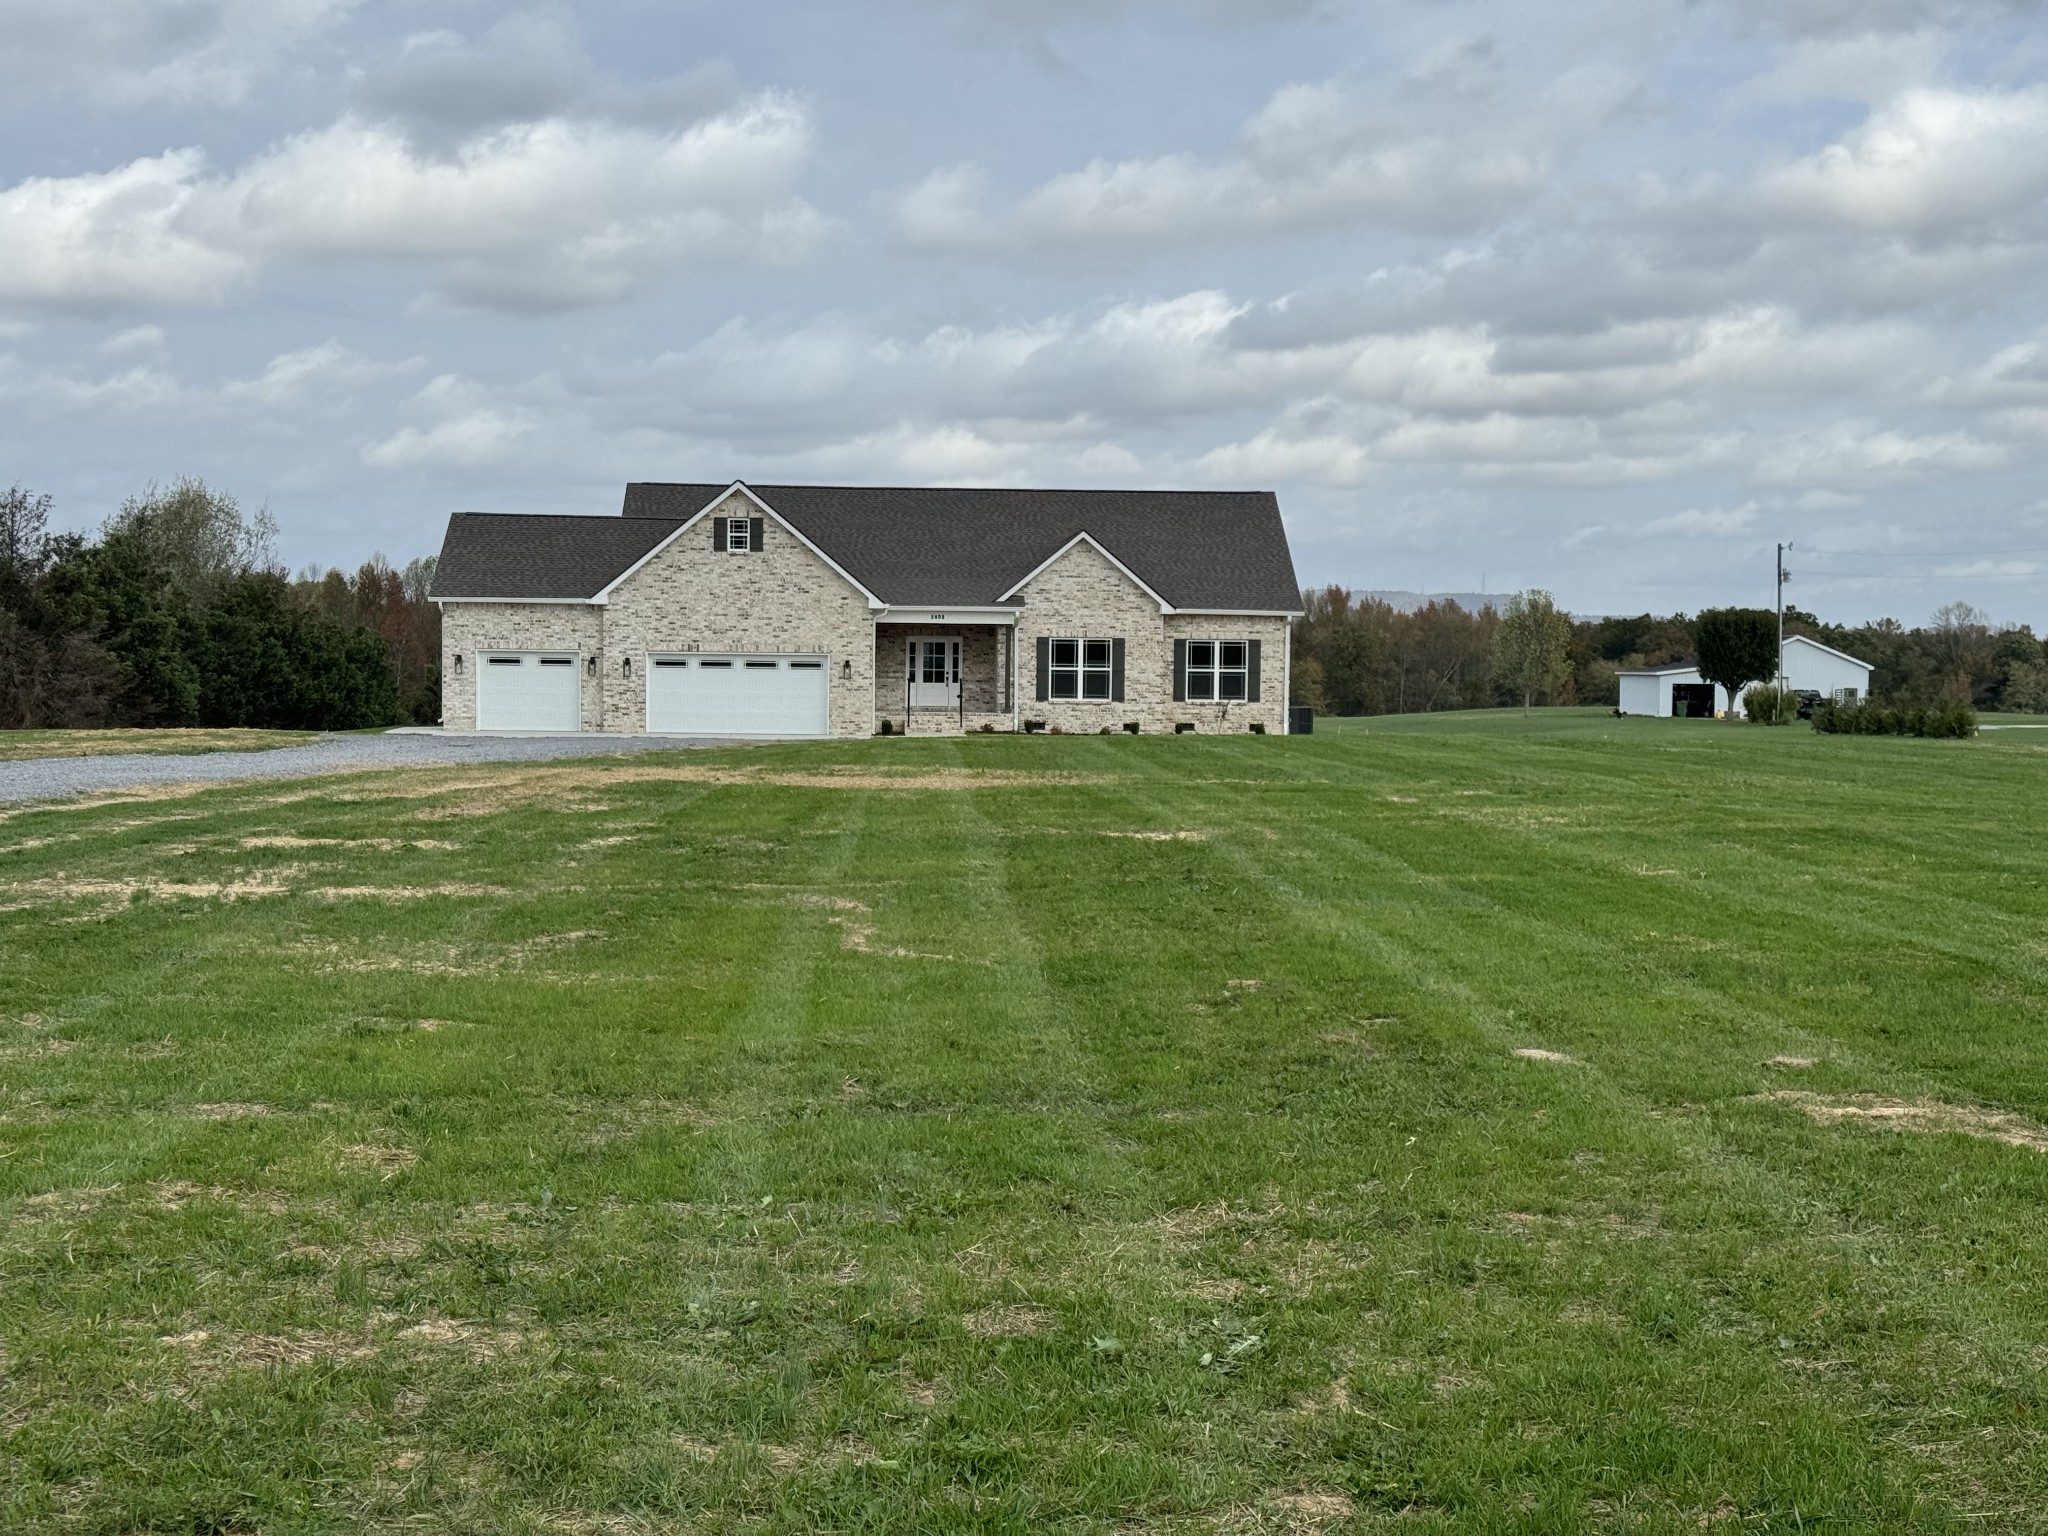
point(1532, 647)
point(1737, 646)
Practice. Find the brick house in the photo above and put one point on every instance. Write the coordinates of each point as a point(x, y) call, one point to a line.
point(802, 610)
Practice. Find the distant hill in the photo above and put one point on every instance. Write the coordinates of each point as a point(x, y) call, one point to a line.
point(1408, 602)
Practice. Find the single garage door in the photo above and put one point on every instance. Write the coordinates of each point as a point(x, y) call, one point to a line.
point(736, 695)
point(528, 691)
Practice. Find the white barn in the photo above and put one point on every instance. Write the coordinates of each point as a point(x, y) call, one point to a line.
point(1813, 667)
point(1674, 690)
point(1679, 690)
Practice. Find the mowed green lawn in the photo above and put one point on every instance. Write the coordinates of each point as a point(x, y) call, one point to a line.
point(1023, 1133)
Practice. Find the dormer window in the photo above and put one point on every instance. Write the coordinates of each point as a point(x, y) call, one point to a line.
point(736, 535)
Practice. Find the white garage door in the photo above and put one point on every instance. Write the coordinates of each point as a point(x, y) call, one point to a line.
point(736, 695)
point(528, 691)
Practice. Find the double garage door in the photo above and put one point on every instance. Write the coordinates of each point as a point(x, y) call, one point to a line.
point(689, 695)
point(736, 695)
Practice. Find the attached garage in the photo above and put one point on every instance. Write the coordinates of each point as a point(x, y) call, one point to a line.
point(697, 695)
point(528, 691)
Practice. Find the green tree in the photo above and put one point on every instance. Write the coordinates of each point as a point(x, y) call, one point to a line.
point(271, 663)
point(1532, 647)
point(1737, 647)
point(196, 536)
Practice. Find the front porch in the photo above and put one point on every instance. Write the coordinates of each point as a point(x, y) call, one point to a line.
point(938, 679)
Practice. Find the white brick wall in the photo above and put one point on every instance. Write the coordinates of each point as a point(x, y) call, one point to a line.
point(468, 629)
point(1082, 596)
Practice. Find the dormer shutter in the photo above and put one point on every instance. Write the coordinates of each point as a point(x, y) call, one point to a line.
point(754, 525)
point(718, 534)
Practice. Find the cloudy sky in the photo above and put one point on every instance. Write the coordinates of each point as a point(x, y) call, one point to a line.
point(1605, 297)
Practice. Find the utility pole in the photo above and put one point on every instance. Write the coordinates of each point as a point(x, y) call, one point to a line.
point(1783, 577)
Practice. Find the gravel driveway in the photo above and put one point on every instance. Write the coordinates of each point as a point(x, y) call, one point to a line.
point(53, 778)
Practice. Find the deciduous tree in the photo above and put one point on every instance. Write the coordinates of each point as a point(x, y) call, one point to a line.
point(1532, 647)
point(1737, 647)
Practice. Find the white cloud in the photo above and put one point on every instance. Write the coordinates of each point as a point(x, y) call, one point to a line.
point(137, 338)
point(471, 441)
point(536, 215)
point(1314, 157)
point(329, 369)
point(112, 238)
point(1928, 162)
point(1706, 522)
point(135, 52)
point(1849, 458)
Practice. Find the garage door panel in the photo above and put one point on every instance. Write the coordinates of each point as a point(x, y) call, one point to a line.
point(737, 695)
point(529, 691)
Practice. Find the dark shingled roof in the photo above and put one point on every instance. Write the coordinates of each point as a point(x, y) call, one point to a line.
point(931, 547)
point(513, 554)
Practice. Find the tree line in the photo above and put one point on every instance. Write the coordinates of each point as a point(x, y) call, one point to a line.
point(177, 612)
point(1361, 656)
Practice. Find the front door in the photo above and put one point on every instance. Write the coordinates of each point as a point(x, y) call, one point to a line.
point(934, 671)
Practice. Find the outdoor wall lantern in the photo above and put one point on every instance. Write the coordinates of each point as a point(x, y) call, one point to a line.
point(592, 667)
point(458, 663)
point(626, 666)
point(846, 670)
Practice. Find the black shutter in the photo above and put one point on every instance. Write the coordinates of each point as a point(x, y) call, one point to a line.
point(1116, 671)
point(1180, 671)
point(1251, 671)
point(754, 532)
point(718, 534)
point(1044, 668)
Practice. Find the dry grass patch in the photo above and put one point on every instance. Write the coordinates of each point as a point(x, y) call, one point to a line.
point(1161, 837)
point(228, 1350)
point(1793, 1061)
point(230, 1111)
point(381, 844)
point(1010, 1322)
point(23, 746)
point(1295, 1511)
point(112, 895)
point(403, 892)
point(386, 1162)
point(1926, 1115)
point(1537, 1053)
point(855, 931)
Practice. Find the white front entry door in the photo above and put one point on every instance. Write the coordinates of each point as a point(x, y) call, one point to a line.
point(737, 696)
point(528, 691)
point(933, 667)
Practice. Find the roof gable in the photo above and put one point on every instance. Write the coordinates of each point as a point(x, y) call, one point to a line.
point(720, 500)
point(1819, 646)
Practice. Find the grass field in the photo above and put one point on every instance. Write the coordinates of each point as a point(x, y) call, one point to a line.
point(16, 745)
point(1467, 1124)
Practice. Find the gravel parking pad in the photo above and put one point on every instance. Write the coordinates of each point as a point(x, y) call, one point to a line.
point(54, 778)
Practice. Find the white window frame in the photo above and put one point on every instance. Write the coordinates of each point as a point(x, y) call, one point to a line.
point(1081, 670)
point(1217, 674)
point(739, 535)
